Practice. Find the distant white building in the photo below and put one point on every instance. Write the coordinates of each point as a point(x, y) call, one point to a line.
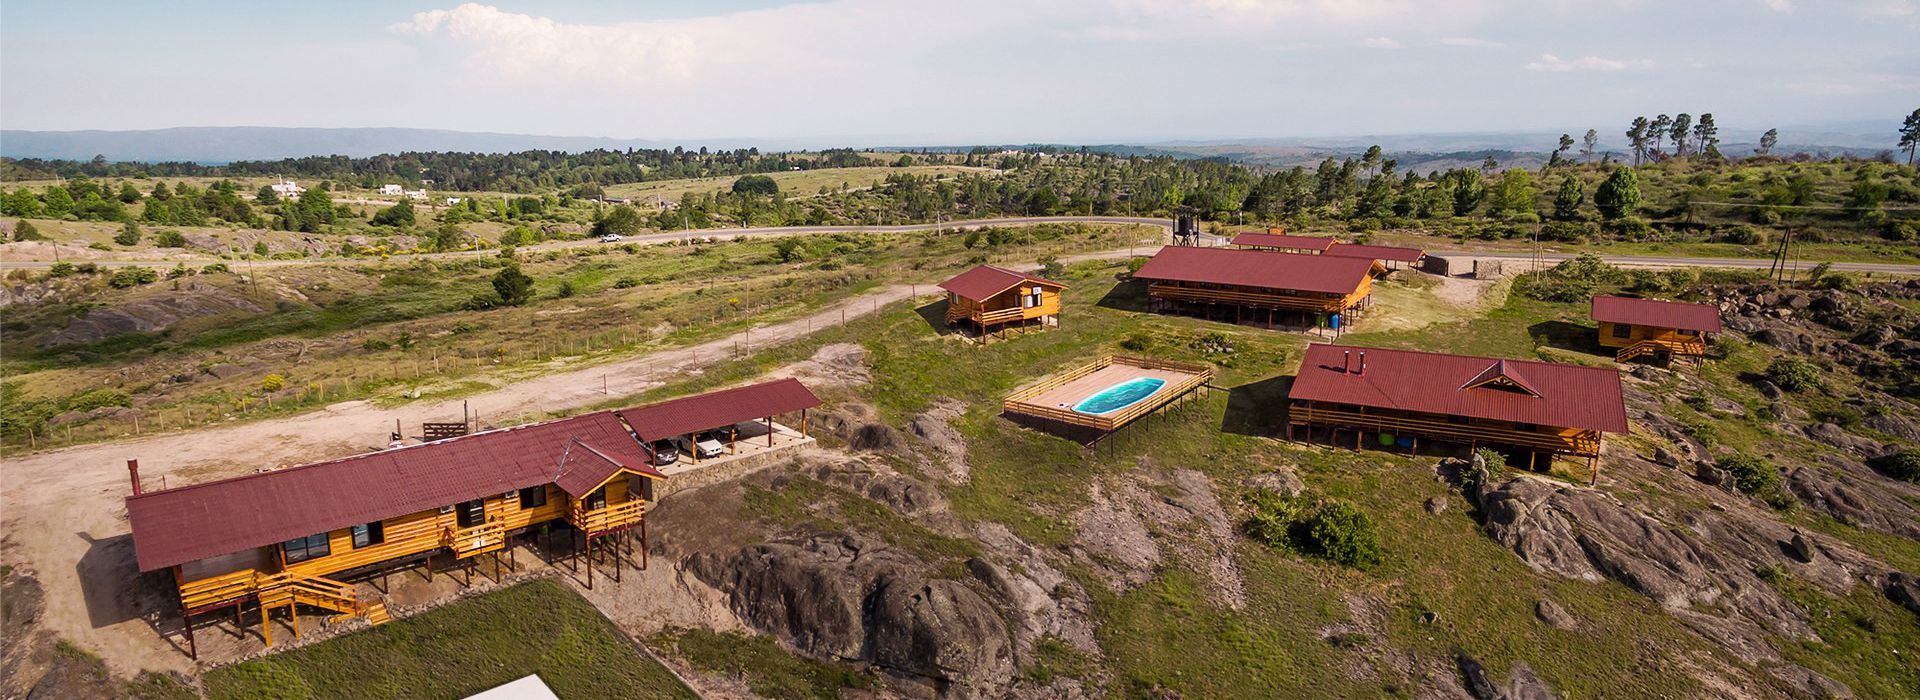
point(287, 189)
point(416, 195)
point(452, 201)
point(392, 190)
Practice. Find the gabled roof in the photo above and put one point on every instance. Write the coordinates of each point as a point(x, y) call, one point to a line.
point(718, 409)
point(1659, 314)
point(179, 525)
point(584, 468)
point(1281, 240)
point(1377, 252)
point(1501, 374)
point(983, 282)
point(1263, 269)
point(1565, 396)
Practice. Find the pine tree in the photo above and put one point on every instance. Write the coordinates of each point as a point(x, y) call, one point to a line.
point(1587, 144)
point(1567, 201)
point(1637, 138)
point(1619, 196)
point(1767, 142)
point(1682, 125)
point(1910, 135)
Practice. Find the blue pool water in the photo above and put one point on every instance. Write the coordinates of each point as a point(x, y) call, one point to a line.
point(1119, 396)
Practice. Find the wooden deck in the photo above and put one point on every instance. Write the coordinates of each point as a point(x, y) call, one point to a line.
point(1053, 398)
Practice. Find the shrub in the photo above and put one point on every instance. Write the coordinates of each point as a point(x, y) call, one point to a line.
point(1746, 235)
point(626, 283)
point(376, 345)
point(169, 238)
point(129, 235)
point(260, 248)
point(1137, 342)
point(512, 286)
point(24, 231)
point(61, 269)
point(1903, 465)
point(1793, 373)
point(132, 276)
point(1753, 475)
point(1332, 529)
point(566, 289)
point(273, 383)
point(213, 268)
point(1134, 265)
point(1050, 266)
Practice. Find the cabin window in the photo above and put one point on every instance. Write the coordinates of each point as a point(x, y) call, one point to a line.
point(1622, 330)
point(300, 549)
point(1458, 420)
point(597, 499)
point(369, 534)
point(471, 514)
point(641, 487)
point(533, 497)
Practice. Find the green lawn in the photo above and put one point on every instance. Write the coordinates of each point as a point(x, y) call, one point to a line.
point(461, 649)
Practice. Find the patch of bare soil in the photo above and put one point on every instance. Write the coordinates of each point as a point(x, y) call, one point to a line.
point(836, 365)
point(1112, 538)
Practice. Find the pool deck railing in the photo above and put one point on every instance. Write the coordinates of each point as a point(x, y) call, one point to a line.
point(1021, 401)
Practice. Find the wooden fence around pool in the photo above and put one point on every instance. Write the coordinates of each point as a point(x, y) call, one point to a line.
point(1019, 402)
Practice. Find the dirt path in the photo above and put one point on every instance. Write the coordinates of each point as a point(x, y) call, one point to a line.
point(64, 516)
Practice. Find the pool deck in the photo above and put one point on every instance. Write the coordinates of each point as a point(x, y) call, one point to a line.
point(1065, 396)
point(1051, 400)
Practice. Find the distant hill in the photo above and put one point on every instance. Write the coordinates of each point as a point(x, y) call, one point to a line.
point(223, 144)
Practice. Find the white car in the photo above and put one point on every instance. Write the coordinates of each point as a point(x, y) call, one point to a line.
point(703, 446)
point(610, 238)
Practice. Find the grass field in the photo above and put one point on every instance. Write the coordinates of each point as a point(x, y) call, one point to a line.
point(461, 649)
point(796, 183)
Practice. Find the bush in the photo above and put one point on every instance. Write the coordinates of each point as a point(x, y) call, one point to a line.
point(273, 383)
point(1050, 267)
point(260, 248)
point(1793, 373)
point(626, 283)
point(132, 276)
point(1137, 342)
point(1134, 265)
point(1746, 235)
point(1753, 475)
point(214, 268)
point(566, 289)
point(61, 269)
point(1332, 529)
point(129, 235)
point(1903, 465)
point(24, 231)
point(512, 286)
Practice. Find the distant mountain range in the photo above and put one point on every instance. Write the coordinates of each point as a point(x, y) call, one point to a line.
point(221, 144)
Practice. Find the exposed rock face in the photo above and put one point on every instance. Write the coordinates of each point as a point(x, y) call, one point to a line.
point(839, 364)
point(1282, 481)
point(1853, 500)
point(1113, 538)
point(1585, 534)
point(904, 494)
point(1555, 616)
point(150, 313)
point(935, 427)
point(1905, 590)
point(846, 598)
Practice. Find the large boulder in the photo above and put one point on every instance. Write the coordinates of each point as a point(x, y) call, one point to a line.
point(1836, 491)
point(938, 629)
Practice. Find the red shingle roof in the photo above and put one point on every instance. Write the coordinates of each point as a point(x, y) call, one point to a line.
point(1377, 252)
point(185, 524)
point(981, 283)
point(1258, 268)
point(718, 409)
point(1281, 240)
point(1570, 396)
point(1659, 314)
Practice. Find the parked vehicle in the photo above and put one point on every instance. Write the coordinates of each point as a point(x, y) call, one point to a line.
point(664, 452)
point(610, 238)
point(704, 445)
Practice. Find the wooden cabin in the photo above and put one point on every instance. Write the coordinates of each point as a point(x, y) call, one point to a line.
point(295, 537)
point(1278, 240)
point(1389, 257)
point(995, 299)
point(1258, 286)
point(1402, 397)
point(1654, 328)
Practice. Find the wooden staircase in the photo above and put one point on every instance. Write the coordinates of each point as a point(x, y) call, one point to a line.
point(1693, 348)
point(343, 599)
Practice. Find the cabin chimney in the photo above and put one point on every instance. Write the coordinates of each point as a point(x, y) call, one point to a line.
point(1346, 361)
point(133, 472)
point(1363, 362)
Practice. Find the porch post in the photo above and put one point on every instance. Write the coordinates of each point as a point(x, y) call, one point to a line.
point(769, 431)
point(589, 562)
point(643, 542)
point(193, 648)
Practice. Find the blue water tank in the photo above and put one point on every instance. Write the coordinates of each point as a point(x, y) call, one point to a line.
point(1336, 320)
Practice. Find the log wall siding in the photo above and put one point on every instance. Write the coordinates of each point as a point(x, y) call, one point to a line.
point(1672, 338)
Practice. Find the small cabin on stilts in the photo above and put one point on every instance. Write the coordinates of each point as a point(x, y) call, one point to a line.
point(1654, 328)
point(995, 300)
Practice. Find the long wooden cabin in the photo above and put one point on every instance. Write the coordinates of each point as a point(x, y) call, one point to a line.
point(995, 299)
point(1256, 285)
point(1404, 396)
point(296, 536)
point(1654, 328)
point(1278, 240)
point(1391, 257)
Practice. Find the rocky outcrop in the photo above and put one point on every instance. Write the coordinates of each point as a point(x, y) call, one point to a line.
point(1903, 589)
point(1851, 499)
point(935, 428)
point(1584, 534)
point(151, 313)
point(846, 598)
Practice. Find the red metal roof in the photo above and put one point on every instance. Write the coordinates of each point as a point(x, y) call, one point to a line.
point(176, 526)
point(981, 283)
point(585, 468)
point(1570, 396)
point(1377, 252)
point(718, 409)
point(1264, 269)
point(1281, 240)
point(1659, 314)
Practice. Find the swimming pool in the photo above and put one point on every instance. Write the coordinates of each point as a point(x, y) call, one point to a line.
point(1119, 396)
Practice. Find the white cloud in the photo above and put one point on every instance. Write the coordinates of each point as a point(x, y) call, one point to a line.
point(1471, 42)
point(1554, 64)
point(1777, 5)
point(1380, 42)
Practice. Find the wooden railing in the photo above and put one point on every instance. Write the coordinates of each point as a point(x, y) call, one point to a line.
point(979, 315)
point(286, 589)
point(1694, 347)
point(594, 522)
point(1228, 296)
point(479, 539)
point(1017, 402)
point(1579, 442)
point(195, 595)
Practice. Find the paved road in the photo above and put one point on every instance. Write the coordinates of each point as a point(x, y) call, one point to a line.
point(1658, 261)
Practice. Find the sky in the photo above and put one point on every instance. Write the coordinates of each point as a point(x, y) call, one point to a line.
point(958, 71)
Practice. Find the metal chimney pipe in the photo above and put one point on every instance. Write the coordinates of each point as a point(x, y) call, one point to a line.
point(133, 472)
point(1363, 362)
point(1346, 361)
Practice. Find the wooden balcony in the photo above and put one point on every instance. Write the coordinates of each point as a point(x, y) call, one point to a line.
point(1315, 304)
point(983, 317)
point(1577, 442)
point(486, 537)
point(1678, 347)
point(610, 518)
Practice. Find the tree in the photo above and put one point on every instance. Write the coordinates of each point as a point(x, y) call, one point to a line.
point(1910, 135)
point(1767, 142)
point(59, 202)
point(621, 220)
point(1567, 201)
point(1514, 193)
point(1682, 125)
point(24, 231)
point(1370, 159)
point(1637, 139)
point(756, 184)
point(128, 194)
point(129, 235)
point(1587, 145)
point(1467, 191)
point(1657, 133)
point(21, 202)
point(1566, 144)
point(266, 195)
point(1619, 196)
point(449, 236)
point(1705, 134)
point(513, 286)
point(397, 215)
